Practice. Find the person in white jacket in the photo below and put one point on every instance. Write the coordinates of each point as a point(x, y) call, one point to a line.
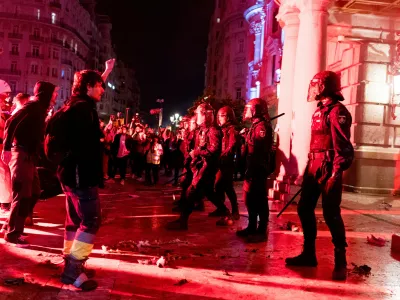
point(153, 159)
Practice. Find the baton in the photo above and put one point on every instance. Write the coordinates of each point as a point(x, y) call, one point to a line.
point(290, 202)
point(183, 174)
point(276, 117)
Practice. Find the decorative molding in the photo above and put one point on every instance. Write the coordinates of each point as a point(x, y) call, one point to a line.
point(256, 27)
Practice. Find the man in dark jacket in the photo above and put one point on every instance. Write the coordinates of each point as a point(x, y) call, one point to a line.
point(331, 153)
point(80, 174)
point(23, 136)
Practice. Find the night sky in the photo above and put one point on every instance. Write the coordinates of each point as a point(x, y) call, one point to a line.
point(165, 42)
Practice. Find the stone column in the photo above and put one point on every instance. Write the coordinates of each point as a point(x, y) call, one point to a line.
point(288, 18)
point(310, 59)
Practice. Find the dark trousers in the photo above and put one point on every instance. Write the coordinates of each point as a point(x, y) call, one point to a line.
point(331, 198)
point(138, 164)
point(185, 184)
point(152, 171)
point(195, 194)
point(25, 191)
point(111, 166)
point(83, 209)
point(256, 200)
point(120, 165)
point(82, 221)
point(176, 175)
point(224, 185)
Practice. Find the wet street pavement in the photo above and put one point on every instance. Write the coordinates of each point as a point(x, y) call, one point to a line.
point(206, 262)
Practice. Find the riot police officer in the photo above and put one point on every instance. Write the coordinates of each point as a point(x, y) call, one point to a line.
point(257, 151)
point(204, 166)
point(331, 153)
point(224, 181)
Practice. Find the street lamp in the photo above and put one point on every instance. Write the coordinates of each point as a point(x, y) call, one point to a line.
point(160, 116)
point(175, 119)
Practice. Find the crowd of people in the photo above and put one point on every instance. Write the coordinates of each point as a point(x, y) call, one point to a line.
point(85, 153)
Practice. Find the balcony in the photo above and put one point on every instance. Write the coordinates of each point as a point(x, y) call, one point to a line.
point(55, 4)
point(15, 53)
point(66, 62)
point(10, 72)
point(14, 35)
point(36, 38)
point(57, 41)
point(34, 55)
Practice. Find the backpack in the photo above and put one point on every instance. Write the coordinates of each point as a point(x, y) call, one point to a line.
point(56, 142)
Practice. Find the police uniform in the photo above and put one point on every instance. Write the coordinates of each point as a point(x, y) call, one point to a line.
point(257, 148)
point(224, 178)
point(331, 153)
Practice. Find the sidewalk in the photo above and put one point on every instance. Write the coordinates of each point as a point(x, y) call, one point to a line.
point(215, 263)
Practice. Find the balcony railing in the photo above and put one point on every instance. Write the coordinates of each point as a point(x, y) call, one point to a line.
point(36, 38)
point(55, 4)
point(34, 55)
point(14, 53)
point(66, 62)
point(14, 35)
point(10, 72)
point(56, 41)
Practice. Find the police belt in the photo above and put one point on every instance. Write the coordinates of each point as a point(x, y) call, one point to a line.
point(327, 155)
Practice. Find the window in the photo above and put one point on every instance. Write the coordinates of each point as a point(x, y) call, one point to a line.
point(56, 53)
point(53, 18)
point(62, 73)
point(68, 74)
point(241, 45)
point(16, 29)
point(239, 69)
point(72, 44)
point(217, 34)
point(215, 81)
point(215, 67)
point(238, 93)
point(14, 48)
point(38, 14)
point(76, 48)
point(35, 51)
point(273, 69)
point(54, 72)
point(54, 36)
point(13, 66)
point(36, 32)
point(241, 24)
point(62, 93)
point(275, 23)
point(34, 68)
point(13, 86)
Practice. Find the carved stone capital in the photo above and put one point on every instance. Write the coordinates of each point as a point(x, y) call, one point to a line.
point(256, 27)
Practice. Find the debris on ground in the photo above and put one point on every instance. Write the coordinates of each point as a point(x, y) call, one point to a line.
point(363, 270)
point(251, 250)
point(181, 282)
point(377, 241)
point(226, 273)
point(385, 205)
point(161, 262)
point(14, 281)
point(290, 226)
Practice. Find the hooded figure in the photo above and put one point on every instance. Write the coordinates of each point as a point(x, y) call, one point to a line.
point(24, 133)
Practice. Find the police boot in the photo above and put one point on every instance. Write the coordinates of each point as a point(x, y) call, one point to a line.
point(340, 270)
point(307, 258)
point(251, 228)
point(235, 213)
point(219, 212)
point(74, 274)
point(180, 224)
point(260, 235)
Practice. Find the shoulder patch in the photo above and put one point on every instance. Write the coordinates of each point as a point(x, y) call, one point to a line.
point(342, 119)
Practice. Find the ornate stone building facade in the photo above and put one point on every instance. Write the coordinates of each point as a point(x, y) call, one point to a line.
point(51, 40)
point(355, 39)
